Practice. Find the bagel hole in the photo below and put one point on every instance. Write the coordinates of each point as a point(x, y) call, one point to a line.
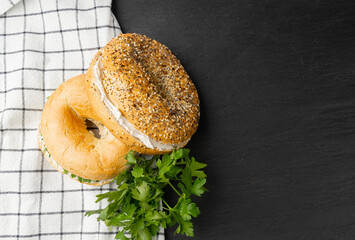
point(93, 128)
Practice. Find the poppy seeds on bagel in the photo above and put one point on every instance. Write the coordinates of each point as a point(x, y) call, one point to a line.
point(146, 83)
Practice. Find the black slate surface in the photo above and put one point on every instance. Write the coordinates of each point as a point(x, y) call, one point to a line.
point(277, 87)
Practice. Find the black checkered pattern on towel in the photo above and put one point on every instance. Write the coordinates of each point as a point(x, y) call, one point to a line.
point(43, 43)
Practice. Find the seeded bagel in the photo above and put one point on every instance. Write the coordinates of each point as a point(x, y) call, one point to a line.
point(157, 103)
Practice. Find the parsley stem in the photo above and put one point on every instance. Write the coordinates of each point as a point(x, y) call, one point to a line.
point(174, 189)
point(167, 204)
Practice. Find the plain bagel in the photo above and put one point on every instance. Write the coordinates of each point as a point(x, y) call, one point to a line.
point(69, 146)
point(142, 94)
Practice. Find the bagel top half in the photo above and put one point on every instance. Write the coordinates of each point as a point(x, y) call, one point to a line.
point(142, 94)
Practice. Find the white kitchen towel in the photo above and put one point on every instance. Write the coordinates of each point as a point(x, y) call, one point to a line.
point(43, 43)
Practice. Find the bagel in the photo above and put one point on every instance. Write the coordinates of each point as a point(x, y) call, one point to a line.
point(139, 90)
point(67, 144)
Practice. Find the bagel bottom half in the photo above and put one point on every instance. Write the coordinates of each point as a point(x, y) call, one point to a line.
point(69, 146)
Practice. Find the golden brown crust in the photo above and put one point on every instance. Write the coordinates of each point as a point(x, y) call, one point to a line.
point(50, 161)
point(70, 143)
point(149, 86)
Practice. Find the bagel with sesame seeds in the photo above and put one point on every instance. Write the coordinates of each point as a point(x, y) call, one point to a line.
point(142, 94)
point(69, 146)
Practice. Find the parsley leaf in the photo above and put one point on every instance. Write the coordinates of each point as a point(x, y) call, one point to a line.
point(141, 191)
point(197, 187)
point(131, 158)
point(121, 235)
point(194, 166)
point(137, 172)
point(188, 209)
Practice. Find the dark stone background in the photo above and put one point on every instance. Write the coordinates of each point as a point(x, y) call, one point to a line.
point(277, 87)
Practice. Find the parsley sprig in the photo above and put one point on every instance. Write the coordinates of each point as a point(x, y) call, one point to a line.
point(138, 205)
